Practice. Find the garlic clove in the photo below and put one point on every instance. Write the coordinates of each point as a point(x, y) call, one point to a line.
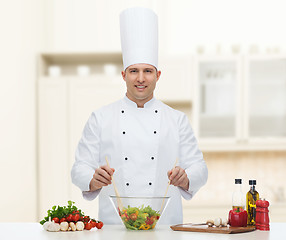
point(217, 222)
point(224, 222)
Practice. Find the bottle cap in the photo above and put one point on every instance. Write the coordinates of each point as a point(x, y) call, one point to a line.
point(238, 181)
point(252, 182)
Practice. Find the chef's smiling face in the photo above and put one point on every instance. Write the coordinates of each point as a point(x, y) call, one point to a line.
point(141, 81)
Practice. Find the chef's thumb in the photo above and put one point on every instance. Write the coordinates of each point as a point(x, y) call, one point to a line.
point(169, 173)
point(113, 170)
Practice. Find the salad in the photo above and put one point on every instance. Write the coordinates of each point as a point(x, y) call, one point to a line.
point(142, 218)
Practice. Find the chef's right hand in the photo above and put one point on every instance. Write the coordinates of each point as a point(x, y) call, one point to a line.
point(101, 178)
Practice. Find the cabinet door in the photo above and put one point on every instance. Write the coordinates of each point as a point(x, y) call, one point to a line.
point(85, 96)
point(54, 172)
point(217, 99)
point(266, 98)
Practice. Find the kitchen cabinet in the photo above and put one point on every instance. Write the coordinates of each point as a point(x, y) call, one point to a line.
point(240, 103)
point(70, 87)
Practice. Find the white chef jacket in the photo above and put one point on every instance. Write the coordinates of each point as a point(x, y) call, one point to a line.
point(142, 145)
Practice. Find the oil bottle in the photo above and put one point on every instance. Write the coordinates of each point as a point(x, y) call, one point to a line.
point(238, 199)
point(251, 197)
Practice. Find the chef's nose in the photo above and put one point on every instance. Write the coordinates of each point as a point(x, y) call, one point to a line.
point(140, 77)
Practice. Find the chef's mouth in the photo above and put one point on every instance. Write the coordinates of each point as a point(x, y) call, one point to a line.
point(140, 86)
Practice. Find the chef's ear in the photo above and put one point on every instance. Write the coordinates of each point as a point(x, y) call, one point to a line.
point(158, 74)
point(123, 73)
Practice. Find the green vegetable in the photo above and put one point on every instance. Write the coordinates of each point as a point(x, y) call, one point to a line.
point(60, 212)
point(142, 218)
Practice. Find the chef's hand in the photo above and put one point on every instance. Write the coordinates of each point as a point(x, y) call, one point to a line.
point(101, 178)
point(178, 178)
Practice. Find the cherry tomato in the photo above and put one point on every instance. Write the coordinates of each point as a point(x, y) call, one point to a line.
point(133, 217)
point(88, 226)
point(149, 221)
point(56, 220)
point(86, 218)
point(69, 218)
point(76, 217)
point(63, 220)
point(75, 212)
point(93, 223)
point(99, 225)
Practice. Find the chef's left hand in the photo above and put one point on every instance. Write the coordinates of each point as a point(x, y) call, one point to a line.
point(178, 177)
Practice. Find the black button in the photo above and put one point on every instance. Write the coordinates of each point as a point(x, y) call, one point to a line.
point(150, 183)
point(155, 132)
point(122, 111)
point(156, 111)
point(152, 158)
point(127, 184)
point(123, 132)
point(126, 158)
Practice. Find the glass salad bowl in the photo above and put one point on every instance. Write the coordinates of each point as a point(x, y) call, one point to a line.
point(140, 213)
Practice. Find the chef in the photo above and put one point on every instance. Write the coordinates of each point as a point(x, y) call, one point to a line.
point(139, 135)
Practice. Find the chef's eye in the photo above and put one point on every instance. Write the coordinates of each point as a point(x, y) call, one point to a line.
point(148, 70)
point(133, 70)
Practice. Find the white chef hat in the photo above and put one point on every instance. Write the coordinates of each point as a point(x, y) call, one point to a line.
point(139, 36)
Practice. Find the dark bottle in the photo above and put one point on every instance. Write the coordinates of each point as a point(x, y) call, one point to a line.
point(251, 197)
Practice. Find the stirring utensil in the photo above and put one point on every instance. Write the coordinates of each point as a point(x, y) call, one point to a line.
point(168, 188)
point(119, 202)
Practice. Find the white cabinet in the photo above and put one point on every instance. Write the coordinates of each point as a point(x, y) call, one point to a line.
point(216, 98)
point(65, 101)
point(240, 103)
point(52, 143)
point(266, 97)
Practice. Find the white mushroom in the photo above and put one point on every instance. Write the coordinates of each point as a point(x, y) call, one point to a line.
point(64, 226)
point(217, 222)
point(72, 226)
point(79, 226)
point(210, 222)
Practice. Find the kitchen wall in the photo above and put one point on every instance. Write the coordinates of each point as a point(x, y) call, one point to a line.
point(21, 39)
point(189, 27)
point(267, 167)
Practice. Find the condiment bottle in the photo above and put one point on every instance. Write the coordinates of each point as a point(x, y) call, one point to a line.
point(251, 197)
point(238, 199)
